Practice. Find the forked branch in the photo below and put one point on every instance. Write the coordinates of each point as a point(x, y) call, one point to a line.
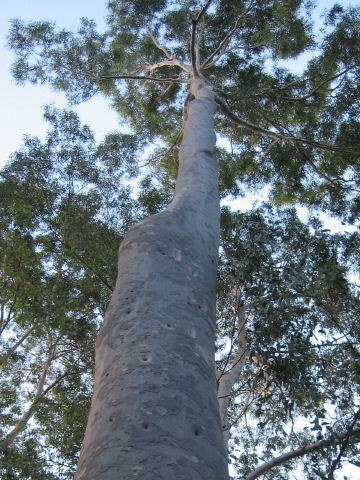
point(194, 45)
point(172, 60)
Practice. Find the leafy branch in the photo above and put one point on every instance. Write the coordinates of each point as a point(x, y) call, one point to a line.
point(221, 49)
point(278, 136)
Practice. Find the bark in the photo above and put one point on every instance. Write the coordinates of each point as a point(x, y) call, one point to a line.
point(154, 412)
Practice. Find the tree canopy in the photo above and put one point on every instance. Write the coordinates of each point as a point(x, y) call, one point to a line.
point(286, 289)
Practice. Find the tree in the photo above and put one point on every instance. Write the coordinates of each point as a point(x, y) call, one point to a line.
point(154, 409)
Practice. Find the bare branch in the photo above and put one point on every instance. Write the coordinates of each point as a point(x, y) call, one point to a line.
point(194, 45)
point(11, 350)
point(299, 452)
point(226, 40)
point(156, 43)
point(172, 60)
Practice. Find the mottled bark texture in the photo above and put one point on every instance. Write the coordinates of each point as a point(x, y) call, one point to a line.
point(154, 413)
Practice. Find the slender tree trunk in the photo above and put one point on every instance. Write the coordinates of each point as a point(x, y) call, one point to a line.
point(23, 421)
point(154, 412)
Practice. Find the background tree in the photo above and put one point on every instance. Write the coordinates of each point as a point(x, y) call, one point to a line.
point(285, 284)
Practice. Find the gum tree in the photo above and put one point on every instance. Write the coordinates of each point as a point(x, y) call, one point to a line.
point(168, 68)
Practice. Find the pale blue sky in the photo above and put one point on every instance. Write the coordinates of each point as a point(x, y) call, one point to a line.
point(21, 106)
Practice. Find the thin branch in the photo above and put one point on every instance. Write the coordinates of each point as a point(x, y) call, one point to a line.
point(11, 350)
point(344, 444)
point(299, 452)
point(278, 136)
point(226, 40)
point(172, 59)
point(314, 167)
point(89, 267)
point(193, 43)
point(126, 77)
point(160, 156)
point(22, 422)
point(248, 396)
point(269, 148)
point(318, 87)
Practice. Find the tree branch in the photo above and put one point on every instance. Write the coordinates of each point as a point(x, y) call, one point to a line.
point(193, 44)
point(314, 167)
point(278, 136)
point(172, 59)
point(344, 444)
point(226, 40)
point(126, 77)
point(317, 88)
point(11, 350)
point(89, 267)
point(22, 422)
point(299, 452)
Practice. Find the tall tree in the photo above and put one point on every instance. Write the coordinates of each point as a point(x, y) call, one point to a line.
point(168, 67)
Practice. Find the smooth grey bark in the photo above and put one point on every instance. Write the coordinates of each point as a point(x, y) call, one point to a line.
point(154, 412)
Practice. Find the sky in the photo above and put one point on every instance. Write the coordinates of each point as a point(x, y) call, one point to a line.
point(21, 106)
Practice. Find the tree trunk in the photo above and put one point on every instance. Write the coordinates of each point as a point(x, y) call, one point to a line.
point(154, 412)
